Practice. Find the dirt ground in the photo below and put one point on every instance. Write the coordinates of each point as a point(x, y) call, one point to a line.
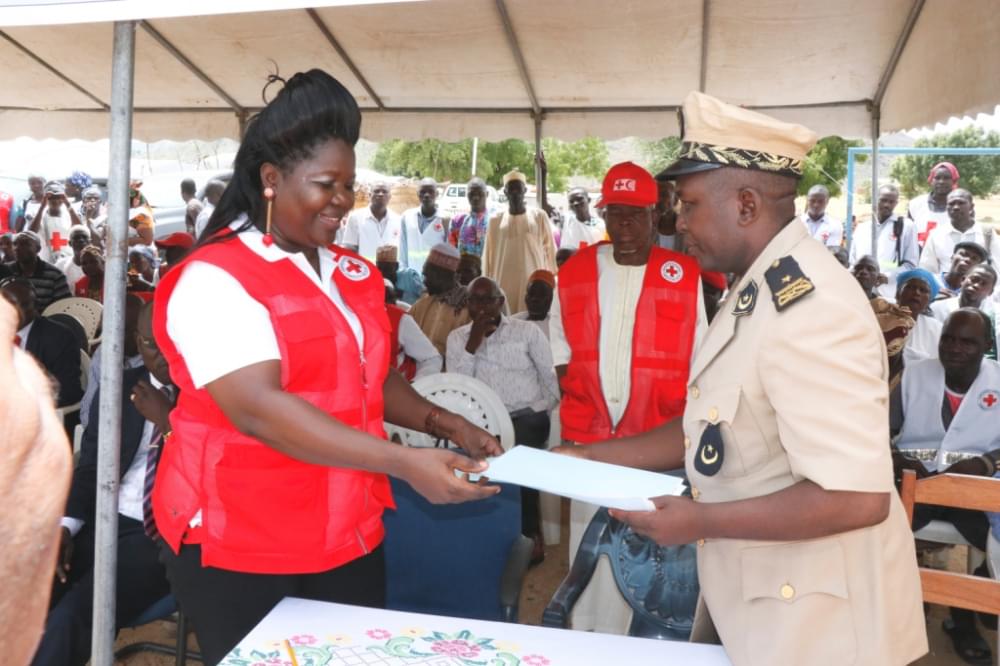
point(539, 586)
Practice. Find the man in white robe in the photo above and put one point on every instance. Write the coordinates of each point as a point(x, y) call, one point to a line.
point(518, 243)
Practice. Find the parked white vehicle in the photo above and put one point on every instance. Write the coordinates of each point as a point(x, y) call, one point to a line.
point(454, 199)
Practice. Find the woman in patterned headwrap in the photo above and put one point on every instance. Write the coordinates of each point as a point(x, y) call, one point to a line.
point(91, 285)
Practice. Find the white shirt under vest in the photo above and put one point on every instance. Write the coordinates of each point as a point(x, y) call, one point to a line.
point(973, 428)
point(369, 233)
point(418, 234)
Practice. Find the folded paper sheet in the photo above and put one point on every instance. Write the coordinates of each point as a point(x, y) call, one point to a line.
point(598, 483)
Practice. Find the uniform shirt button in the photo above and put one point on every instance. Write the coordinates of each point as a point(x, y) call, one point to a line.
point(787, 591)
point(695, 392)
point(701, 542)
point(695, 493)
point(713, 414)
point(687, 442)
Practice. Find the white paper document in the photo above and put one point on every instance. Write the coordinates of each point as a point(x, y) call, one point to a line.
point(613, 486)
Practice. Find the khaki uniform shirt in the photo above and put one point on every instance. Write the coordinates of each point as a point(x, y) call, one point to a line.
point(799, 395)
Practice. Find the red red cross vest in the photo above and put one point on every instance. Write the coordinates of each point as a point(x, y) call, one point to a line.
point(6, 206)
point(263, 511)
point(665, 321)
point(408, 368)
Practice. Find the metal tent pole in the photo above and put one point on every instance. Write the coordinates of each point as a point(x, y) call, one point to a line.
point(849, 218)
point(113, 352)
point(541, 184)
point(876, 118)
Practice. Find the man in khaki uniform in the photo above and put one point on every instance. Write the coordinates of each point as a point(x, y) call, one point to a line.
point(804, 552)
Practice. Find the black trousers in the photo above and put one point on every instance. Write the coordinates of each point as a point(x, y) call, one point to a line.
point(142, 582)
point(225, 605)
point(531, 429)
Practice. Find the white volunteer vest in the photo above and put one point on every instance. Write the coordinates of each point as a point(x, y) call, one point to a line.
point(975, 428)
point(415, 246)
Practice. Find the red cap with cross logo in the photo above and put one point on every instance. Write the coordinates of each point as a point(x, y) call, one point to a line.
point(628, 184)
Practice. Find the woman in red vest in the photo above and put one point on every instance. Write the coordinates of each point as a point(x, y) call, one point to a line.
point(272, 482)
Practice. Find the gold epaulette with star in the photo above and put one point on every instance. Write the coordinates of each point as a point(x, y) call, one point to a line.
point(787, 283)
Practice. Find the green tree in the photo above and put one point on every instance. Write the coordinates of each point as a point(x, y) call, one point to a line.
point(826, 164)
point(980, 174)
point(658, 155)
point(586, 157)
point(452, 161)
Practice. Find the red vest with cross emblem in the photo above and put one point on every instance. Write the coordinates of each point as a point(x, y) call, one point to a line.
point(264, 511)
point(665, 321)
point(6, 207)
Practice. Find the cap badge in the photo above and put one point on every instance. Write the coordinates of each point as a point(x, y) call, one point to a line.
point(624, 185)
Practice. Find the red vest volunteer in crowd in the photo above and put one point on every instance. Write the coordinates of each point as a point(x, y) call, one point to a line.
point(622, 329)
point(626, 320)
point(279, 343)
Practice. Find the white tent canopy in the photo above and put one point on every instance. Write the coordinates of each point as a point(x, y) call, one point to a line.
point(458, 68)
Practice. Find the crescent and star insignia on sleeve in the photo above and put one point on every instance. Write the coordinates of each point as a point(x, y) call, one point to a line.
point(710, 454)
point(746, 300)
point(787, 282)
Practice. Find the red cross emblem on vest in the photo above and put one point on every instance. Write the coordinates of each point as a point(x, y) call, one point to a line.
point(354, 269)
point(988, 399)
point(672, 272)
point(57, 242)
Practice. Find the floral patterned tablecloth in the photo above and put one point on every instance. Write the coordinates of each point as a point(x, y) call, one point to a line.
point(324, 634)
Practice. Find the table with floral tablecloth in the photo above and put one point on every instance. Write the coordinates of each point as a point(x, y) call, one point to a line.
point(325, 634)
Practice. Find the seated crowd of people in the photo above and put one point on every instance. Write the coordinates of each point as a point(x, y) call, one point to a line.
point(549, 310)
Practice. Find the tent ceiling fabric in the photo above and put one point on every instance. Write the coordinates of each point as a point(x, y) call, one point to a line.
point(447, 69)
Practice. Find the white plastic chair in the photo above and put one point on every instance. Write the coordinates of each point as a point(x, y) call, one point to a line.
point(463, 395)
point(87, 310)
point(84, 380)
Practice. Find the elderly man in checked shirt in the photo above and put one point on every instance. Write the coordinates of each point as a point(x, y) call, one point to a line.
point(513, 358)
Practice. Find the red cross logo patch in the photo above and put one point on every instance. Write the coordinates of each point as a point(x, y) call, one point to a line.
point(437, 227)
point(353, 269)
point(58, 242)
point(672, 272)
point(988, 399)
point(624, 185)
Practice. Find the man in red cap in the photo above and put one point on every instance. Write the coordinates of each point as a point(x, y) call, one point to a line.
point(623, 326)
point(175, 247)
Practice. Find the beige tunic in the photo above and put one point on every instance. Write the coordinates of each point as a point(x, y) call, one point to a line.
point(437, 319)
point(515, 247)
point(801, 395)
